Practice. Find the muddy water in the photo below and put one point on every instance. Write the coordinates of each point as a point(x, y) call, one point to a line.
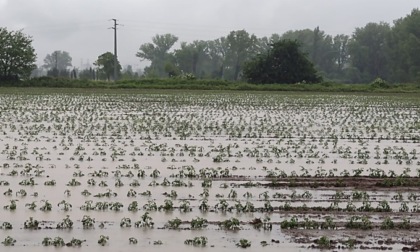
point(64, 134)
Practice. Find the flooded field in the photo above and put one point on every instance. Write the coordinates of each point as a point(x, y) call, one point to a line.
point(208, 171)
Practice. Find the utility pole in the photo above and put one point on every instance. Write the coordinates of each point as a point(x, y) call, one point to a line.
point(56, 60)
point(115, 49)
point(57, 73)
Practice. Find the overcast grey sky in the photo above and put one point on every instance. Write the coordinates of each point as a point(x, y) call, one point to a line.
point(80, 27)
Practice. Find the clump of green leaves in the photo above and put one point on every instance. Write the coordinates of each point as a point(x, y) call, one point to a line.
point(8, 241)
point(387, 223)
point(197, 241)
point(198, 222)
point(243, 243)
point(324, 242)
point(231, 224)
point(357, 222)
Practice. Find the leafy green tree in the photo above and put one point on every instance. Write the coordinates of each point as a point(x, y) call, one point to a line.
point(368, 51)
point(105, 64)
point(171, 69)
point(340, 50)
point(57, 63)
point(184, 57)
point(322, 52)
point(17, 56)
point(191, 58)
point(263, 44)
point(404, 48)
point(241, 47)
point(158, 54)
point(319, 48)
point(304, 37)
point(282, 63)
point(217, 52)
point(226, 55)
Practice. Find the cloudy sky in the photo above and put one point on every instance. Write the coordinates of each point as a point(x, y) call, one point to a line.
point(81, 27)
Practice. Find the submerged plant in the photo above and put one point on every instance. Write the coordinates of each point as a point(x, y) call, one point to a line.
point(185, 206)
point(21, 193)
point(387, 223)
point(87, 221)
point(357, 222)
point(131, 193)
point(6, 225)
point(198, 223)
point(223, 205)
point(8, 241)
point(66, 206)
point(167, 206)
point(133, 206)
point(47, 241)
point(103, 240)
point(75, 242)
point(324, 242)
point(290, 224)
point(57, 242)
point(265, 223)
point(11, 206)
point(46, 207)
point(66, 223)
point(230, 224)
point(9, 192)
point(173, 224)
point(158, 242)
point(328, 224)
point(150, 206)
point(31, 224)
point(243, 243)
point(125, 222)
point(197, 241)
point(73, 182)
point(116, 206)
point(132, 240)
point(145, 221)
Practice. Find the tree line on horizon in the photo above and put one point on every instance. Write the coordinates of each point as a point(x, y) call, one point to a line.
point(377, 50)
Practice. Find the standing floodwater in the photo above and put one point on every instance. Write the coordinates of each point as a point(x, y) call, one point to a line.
point(208, 170)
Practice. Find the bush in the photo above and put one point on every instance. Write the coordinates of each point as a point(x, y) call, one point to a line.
point(282, 63)
point(379, 83)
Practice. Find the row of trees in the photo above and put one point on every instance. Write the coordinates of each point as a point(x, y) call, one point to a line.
point(387, 52)
point(375, 50)
point(224, 58)
point(59, 64)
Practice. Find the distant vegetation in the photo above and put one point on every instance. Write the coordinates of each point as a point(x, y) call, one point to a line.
point(377, 50)
point(284, 63)
point(378, 85)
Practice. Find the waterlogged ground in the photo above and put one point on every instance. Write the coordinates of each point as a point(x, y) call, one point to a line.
point(203, 170)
